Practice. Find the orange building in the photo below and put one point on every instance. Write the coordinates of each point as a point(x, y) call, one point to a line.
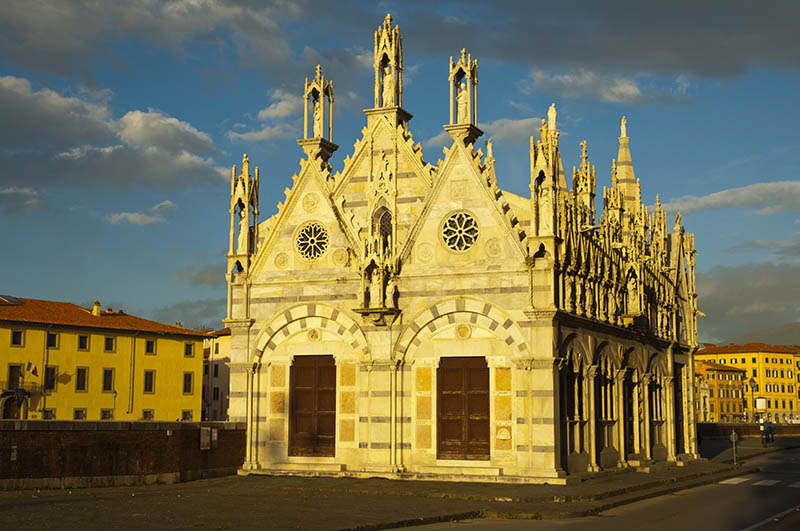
point(772, 368)
point(719, 392)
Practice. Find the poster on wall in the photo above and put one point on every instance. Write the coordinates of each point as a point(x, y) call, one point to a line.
point(205, 438)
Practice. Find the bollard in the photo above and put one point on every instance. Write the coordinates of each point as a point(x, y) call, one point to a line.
point(734, 438)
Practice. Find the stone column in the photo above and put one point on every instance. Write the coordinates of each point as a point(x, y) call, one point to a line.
point(645, 395)
point(619, 381)
point(590, 409)
point(668, 396)
point(248, 457)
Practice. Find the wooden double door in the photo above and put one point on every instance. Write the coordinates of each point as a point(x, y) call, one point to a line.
point(463, 408)
point(312, 406)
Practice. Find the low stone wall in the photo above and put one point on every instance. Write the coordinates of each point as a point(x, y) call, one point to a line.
point(718, 429)
point(54, 454)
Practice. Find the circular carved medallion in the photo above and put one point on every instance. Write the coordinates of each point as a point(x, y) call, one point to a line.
point(313, 335)
point(340, 257)
point(311, 241)
point(493, 248)
point(281, 260)
point(460, 231)
point(310, 202)
point(463, 331)
point(425, 252)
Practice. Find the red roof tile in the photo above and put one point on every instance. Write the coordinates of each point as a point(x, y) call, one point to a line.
point(220, 332)
point(748, 348)
point(68, 314)
point(718, 366)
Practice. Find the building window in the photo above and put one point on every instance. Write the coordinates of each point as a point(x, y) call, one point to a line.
point(188, 350)
point(783, 404)
point(216, 393)
point(50, 378)
point(106, 414)
point(148, 414)
point(790, 404)
point(216, 348)
point(79, 413)
point(188, 380)
point(744, 360)
point(783, 388)
point(52, 340)
point(14, 376)
point(755, 373)
point(149, 381)
point(769, 404)
point(17, 338)
point(110, 345)
point(754, 360)
point(782, 374)
point(711, 407)
point(205, 369)
point(108, 380)
point(81, 379)
point(733, 361)
point(216, 370)
point(83, 342)
point(48, 414)
point(186, 415)
point(150, 346)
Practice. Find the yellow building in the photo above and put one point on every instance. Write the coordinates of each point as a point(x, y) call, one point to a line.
point(216, 374)
point(719, 392)
point(64, 362)
point(772, 370)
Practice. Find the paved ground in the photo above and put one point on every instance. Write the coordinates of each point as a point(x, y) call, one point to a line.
point(325, 503)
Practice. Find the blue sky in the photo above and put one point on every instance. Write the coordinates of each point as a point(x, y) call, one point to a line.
point(121, 121)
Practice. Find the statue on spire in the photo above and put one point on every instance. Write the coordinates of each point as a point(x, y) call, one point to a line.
point(623, 127)
point(388, 65)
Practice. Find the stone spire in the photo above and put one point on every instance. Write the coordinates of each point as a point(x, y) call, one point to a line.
point(388, 65)
point(318, 95)
point(625, 177)
point(463, 80)
point(244, 217)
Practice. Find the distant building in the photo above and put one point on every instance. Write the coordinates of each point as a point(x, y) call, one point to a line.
point(772, 368)
point(61, 361)
point(720, 392)
point(216, 374)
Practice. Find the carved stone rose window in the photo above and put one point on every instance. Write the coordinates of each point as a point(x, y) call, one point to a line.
point(460, 231)
point(312, 241)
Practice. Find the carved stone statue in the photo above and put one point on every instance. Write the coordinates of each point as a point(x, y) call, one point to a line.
point(244, 229)
point(633, 295)
point(317, 124)
point(376, 289)
point(462, 116)
point(623, 127)
point(551, 117)
point(391, 293)
point(388, 87)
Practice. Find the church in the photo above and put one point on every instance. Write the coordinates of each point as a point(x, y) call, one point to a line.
point(401, 319)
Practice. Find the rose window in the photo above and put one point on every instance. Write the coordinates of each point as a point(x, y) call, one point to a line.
point(460, 231)
point(312, 241)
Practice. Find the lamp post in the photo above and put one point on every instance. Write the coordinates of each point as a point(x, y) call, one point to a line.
point(752, 384)
point(114, 410)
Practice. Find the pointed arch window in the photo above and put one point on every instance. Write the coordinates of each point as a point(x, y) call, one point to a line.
point(385, 227)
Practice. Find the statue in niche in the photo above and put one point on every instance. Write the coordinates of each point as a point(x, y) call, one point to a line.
point(569, 294)
point(391, 292)
point(462, 105)
point(244, 229)
point(317, 125)
point(633, 295)
point(388, 87)
point(376, 289)
point(545, 209)
point(612, 306)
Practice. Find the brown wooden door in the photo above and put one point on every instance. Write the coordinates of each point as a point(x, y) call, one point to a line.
point(312, 406)
point(463, 408)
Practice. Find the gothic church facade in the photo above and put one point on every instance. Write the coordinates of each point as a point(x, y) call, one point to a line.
point(405, 319)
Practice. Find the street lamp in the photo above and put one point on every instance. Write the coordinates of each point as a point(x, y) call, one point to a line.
point(752, 384)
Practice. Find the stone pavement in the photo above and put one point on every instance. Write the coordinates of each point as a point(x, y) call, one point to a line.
point(330, 503)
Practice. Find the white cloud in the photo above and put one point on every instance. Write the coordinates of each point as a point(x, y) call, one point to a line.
point(439, 140)
point(48, 137)
point(165, 206)
point(783, 248)
point(284, 104)
point(769, 198)
point(155, 215)
point(154, 129)
point(134, 218)
point(512, 131)
point(15, 199)
point(268, 132)
point(588, 84)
